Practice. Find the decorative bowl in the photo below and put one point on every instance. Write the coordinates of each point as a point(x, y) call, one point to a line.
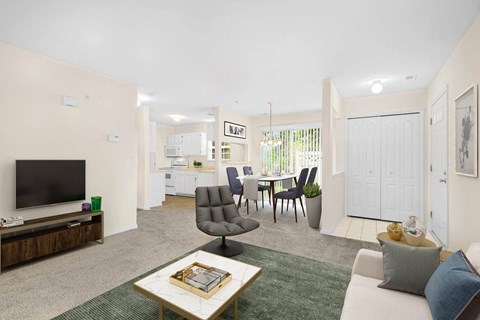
point(414, 231)
point(395, 231)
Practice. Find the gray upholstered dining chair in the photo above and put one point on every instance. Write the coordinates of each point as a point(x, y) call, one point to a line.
point(217, 215)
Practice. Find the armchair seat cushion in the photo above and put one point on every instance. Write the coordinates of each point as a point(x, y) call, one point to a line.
point(224, 228)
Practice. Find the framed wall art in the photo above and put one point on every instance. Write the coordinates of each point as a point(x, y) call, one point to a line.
point(466, 133)
point(234, 130)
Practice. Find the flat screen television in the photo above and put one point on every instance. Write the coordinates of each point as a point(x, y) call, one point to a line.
point(47, 182)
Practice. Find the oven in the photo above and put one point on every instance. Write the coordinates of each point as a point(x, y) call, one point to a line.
point(170, 175)
point(170, 183)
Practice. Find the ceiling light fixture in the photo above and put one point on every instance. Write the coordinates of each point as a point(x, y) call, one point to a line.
point(269, 140)
point(377, 86)
point(177, 117)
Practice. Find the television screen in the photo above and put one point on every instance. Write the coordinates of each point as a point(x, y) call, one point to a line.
point(45, 182)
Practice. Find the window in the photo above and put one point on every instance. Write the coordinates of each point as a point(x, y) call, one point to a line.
point(225, 151)
point(301, 148)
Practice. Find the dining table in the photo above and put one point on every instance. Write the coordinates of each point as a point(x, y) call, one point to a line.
point(271, 179)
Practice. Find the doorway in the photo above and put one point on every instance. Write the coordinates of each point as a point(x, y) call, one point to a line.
point(439, 168)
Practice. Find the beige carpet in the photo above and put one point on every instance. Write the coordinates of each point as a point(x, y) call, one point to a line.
point(50, 286)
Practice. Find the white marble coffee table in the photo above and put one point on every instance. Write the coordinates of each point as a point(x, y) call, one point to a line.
point(188, 305)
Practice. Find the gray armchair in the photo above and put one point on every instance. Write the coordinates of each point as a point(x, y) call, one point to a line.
point(217, 215)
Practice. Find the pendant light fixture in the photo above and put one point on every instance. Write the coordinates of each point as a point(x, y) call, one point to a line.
point(269, 140)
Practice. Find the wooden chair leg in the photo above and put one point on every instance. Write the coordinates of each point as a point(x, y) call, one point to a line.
point(301, 203)
point(256, 204)
point(295, 206)
point(240, 201)
point(262, 199)
point(246, 203)
point(288, 203)
point(270, 196)
point(281, 212)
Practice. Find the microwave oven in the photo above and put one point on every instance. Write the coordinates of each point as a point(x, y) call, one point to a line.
point(173, 150)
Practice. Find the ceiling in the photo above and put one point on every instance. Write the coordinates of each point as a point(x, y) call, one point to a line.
point(189, 56)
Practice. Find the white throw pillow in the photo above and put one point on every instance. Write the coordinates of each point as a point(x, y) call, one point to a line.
point(473, 255)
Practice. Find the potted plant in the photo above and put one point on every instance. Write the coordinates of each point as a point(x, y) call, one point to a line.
point(197, 164)
point(313, 203)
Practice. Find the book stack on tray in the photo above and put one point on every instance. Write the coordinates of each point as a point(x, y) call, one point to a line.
point(205, 279)
point(11, 222)
point(200, 279)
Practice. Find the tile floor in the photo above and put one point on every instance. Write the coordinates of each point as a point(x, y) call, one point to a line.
point(363, 229)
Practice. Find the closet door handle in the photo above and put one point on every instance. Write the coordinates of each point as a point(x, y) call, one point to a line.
point(443, 180)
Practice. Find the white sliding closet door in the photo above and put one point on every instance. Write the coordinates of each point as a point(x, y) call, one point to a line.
point(383, 167)
point(363, 159)
point(400, 167)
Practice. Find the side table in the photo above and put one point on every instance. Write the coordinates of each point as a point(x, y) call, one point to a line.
point(444, 254)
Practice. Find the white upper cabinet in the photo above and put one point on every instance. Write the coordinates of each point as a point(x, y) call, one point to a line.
point(198, 143)
point(192, 143)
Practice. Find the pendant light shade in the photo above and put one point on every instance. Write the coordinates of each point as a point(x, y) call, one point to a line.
point(269, 140)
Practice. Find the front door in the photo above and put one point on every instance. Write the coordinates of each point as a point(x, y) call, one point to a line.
point(439, 169)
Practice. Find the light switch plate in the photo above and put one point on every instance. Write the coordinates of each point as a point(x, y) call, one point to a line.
point(113, 138)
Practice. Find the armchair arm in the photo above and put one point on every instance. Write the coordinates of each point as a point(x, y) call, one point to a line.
point(368, 263)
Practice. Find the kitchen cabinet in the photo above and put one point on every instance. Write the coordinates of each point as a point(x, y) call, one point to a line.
point(187, 182)
point(205, 179)
point(175, 139)
point(198, 144)
point(194, 143)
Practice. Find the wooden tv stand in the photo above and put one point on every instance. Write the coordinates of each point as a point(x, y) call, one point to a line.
point(56, 237)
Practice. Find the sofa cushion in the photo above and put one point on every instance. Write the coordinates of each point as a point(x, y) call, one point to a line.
point(408, 268)
point(364, 300)
point(453, 291)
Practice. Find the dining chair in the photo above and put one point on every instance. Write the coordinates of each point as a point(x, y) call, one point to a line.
point(294, 194)
point(250, 190)
point(234, 183)
point(247, 170)
point(310, 180)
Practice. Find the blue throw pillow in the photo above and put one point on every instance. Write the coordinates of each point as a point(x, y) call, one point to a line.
point(453, 291)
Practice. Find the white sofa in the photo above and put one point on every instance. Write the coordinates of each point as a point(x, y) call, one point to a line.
point(364, 300)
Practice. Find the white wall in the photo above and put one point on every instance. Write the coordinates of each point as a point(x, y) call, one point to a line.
point(460, 71)
point(385, 103)
point(332, 179)
point(36, 126)
point(143, 154)
point(162, 134)
point(222, 115)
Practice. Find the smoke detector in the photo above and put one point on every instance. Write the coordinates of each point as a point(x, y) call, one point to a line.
point(411, 77)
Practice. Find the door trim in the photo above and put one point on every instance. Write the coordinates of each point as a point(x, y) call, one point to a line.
point(437, 97)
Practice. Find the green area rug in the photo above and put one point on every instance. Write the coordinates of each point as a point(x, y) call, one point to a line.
point(290, 287)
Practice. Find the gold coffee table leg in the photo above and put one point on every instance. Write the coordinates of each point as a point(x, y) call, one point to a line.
point(235, 309)
point(161, 309)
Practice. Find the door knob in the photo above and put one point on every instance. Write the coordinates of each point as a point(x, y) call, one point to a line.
point(443, 180)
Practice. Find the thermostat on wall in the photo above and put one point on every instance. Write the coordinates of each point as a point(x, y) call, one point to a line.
point(69, 101)
point(113, 138)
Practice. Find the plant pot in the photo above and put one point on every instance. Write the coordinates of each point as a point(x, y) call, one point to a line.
point(314, 211)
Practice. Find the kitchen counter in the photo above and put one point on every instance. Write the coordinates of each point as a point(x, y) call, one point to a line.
point(197, 169)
